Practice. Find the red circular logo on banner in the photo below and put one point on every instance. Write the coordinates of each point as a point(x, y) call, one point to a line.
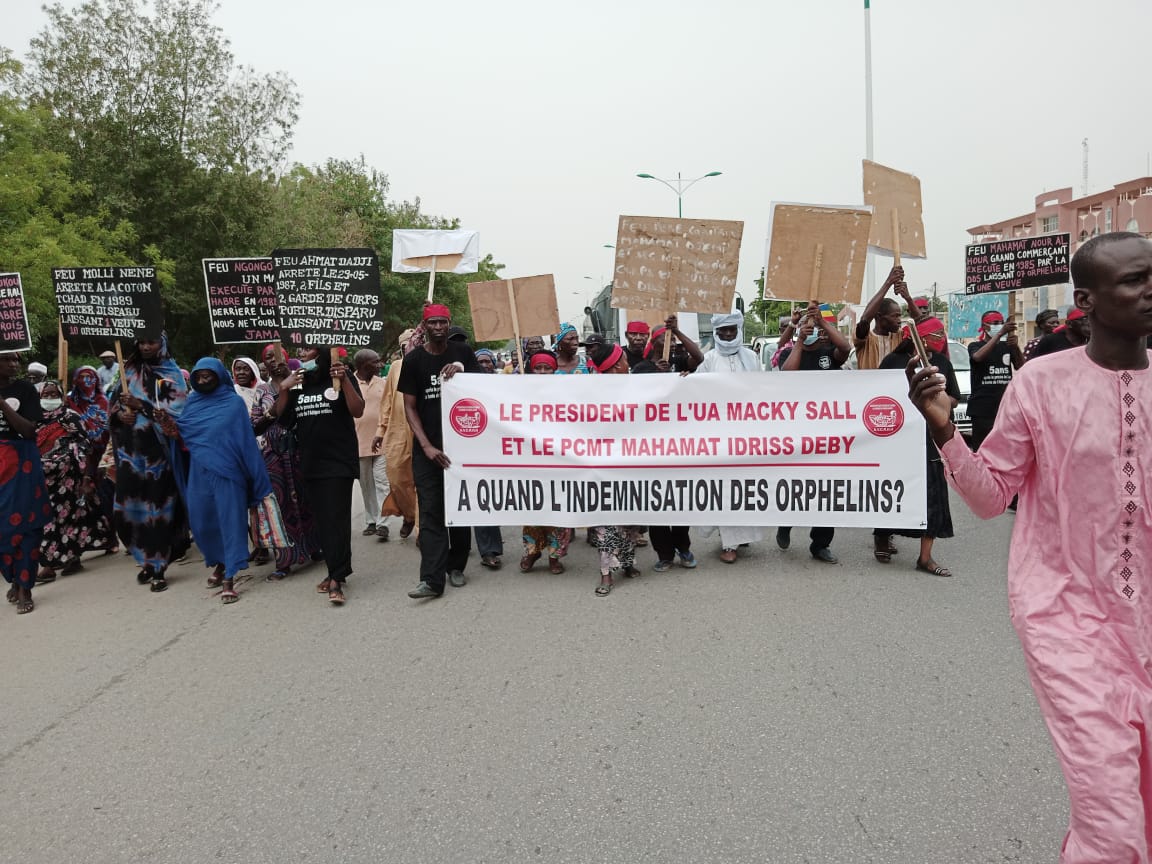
point(468, 418)
point(883, 416)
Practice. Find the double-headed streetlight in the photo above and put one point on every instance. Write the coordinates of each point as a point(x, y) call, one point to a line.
point(681, 186)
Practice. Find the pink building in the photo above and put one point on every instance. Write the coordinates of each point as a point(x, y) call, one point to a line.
point(1125, 207)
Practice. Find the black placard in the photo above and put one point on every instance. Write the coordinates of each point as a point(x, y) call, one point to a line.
point(241, 300)
point(14, 332)
point(328, 296)
point(109, 302)
point(1009, 265)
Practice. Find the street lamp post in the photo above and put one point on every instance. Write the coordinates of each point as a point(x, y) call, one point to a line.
point(681, 186)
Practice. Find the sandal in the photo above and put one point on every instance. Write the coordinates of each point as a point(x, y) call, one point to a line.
point(604, 588)
point(46, 575)
point(276, 576)
point(144, 576)
point(932, 568)
point(631, 573)
point(884, 556)
point(228, 596)
point(527, 561)
point(555, 565)
point(12, 594)
point(159, 583)
point(71, 567)
point(24, 606)
point(217, 577)
point(322, 588)
point(336, 594)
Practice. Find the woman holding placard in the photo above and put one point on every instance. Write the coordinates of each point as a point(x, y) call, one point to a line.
point(149, 514)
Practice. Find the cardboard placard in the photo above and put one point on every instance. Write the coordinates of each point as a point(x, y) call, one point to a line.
point(796, 232)
point(328, 297)
point(890, 191)
point(241, 300)
point(1009, 265)
point(15, 335)
point(676, 265)
point(109, 302)
point(416, 250)
point(536, 308)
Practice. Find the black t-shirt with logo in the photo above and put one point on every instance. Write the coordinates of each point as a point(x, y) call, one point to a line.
point(813, 360)
point(420, 377)
point(25, 400)
point(989, 379)
point(325, 430)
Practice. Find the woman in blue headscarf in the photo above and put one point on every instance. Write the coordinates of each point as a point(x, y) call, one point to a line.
point(149, 514)
point(227, 473)
point(567, 352)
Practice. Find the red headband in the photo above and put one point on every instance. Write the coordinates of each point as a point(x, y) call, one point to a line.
point(437, 310)
point(547, 359)
point(992, 317)
point(656, 334)
point(637, 327)
point(611, 360)
point(929, 328)
point(1073, 315)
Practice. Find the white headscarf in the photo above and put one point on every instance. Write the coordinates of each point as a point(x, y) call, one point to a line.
point(732, 319)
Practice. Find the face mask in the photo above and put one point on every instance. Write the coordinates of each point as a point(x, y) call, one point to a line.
point(308, 366)
point(813, 339)
point(205, 386)
point(993, 329)
point(51, 404)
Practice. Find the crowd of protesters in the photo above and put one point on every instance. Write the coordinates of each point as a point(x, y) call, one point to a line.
point(154, 458)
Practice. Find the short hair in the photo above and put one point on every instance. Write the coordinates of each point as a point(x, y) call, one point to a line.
point(887, 305)
point(364, 355)
point(1083, 264)
point(1047, 314)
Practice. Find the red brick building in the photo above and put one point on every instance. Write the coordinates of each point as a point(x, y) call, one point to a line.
point(1125, 207)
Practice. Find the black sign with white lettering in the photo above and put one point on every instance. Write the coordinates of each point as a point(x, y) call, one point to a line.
point(241, 300)
point(109, 302)
point(14, 332)
point(328, 297)
point(1009, 265)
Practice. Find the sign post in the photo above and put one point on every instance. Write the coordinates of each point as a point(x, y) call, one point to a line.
point(416, 250)
point(506, 308)
point(241, 295)
point(15, 334)
point(109, 303)
point(1012, 265)
point(328, 297)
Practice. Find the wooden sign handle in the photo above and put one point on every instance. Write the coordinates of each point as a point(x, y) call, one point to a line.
point(667, 345)
point(895, 238)
point(120, 364)
point(432, 279)
point(516, 327)
point(333, 359)
point(62, 356)
point(814, 285)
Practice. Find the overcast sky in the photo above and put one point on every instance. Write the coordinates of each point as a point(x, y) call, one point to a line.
point(529, 120)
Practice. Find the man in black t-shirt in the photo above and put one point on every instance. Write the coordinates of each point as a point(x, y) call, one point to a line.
point(993, 359)
point(443, 551)
point(819, 346)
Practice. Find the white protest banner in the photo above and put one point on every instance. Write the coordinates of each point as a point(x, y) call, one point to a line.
point(805, 448)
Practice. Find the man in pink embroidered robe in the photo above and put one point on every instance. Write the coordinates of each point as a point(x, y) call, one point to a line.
point(1074, 439)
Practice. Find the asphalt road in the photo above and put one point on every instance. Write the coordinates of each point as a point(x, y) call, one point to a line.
point(775, 710)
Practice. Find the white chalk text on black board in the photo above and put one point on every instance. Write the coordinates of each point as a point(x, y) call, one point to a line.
point(328, 297)
point(1009, 265)
point(241, 300)
point(14, 332)
point(109, 302)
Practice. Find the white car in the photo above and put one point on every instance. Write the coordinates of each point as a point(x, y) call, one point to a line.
point(962, 364)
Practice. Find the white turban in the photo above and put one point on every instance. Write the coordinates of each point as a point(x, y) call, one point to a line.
point(732, 319)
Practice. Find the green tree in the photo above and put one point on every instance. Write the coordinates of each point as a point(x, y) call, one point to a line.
point(38, 230)
point(164, 131)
